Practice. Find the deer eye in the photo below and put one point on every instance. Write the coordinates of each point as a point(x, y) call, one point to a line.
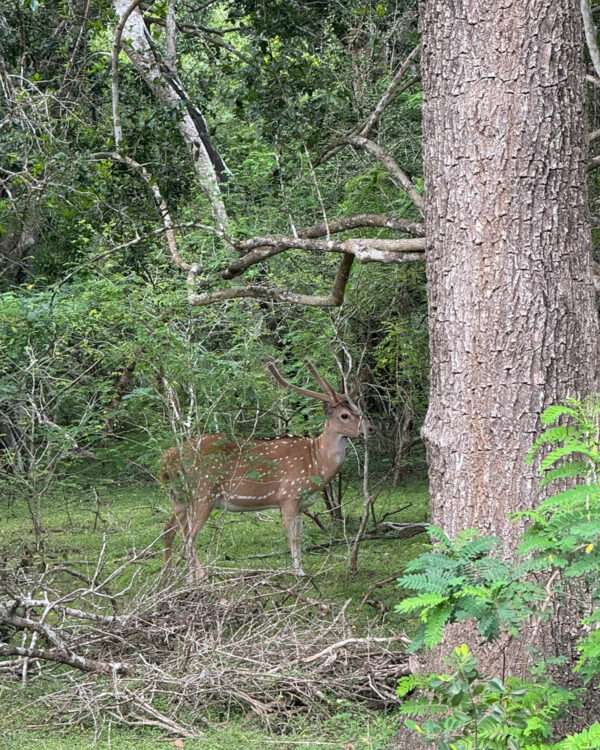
point(344, 416)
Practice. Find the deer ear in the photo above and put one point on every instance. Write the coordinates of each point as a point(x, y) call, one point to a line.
point(327, 408)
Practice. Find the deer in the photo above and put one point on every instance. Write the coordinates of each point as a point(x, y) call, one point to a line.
point(286, 473)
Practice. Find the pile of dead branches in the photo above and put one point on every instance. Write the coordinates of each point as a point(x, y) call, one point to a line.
point(173, 655)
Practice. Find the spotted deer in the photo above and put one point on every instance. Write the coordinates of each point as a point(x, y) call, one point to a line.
point(288, 473)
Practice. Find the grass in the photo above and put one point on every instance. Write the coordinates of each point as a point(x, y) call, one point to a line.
point(121, 518)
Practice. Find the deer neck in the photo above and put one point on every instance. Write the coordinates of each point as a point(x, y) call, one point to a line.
point(330, 450)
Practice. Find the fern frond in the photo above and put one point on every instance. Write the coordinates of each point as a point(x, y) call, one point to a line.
point(552, 413)
point(424, 601)
point(437, 581)
point(589, 739)
point(572, 469)
point(477, 547)
point(568, 449)
point(552, 435)
point(409, 683)
point(437, 535)
point(434, 626)
point(579, 493)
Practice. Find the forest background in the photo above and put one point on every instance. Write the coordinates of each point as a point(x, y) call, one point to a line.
point(138, 174)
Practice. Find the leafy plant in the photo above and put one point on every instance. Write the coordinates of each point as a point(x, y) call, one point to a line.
point(464, 711)
point(457, 581)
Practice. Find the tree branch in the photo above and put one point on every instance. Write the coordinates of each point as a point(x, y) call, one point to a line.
point(160, 203)
point(590, 35)
point(359, 221)
point(117, 130)
point(365, 250)
point(333, 226)
point(273, 294)
point(169, 90)
point(82, 663)
point(392, 90)
point(398, 175)
point(171, 37)
point(61, 652)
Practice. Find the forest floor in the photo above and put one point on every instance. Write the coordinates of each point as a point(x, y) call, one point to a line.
point(119, 519)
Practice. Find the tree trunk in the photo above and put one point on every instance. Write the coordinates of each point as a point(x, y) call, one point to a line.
point(170, 91)
point(513, 322)
point(512, 317)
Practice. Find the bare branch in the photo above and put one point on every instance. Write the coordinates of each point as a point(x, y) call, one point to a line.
point(60, 653)
point(171, 37)
point(170, 91)
point(590, 35)
point(333, 226)
point(161, 205)
point(273, 294)
point(117, 130)
point(79, 614)
point(398, 175)
point(259, 249)
point(347, 641)
point(392, 90)
point(358, 221)
point(82, 663)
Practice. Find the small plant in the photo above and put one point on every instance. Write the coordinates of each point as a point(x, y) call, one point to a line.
point(463, 710)
point(460, 579)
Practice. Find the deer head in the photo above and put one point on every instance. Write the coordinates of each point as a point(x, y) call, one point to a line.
point(343, 415)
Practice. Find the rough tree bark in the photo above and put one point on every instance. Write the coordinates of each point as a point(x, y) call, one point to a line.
point(512, 318)
point(512, 315)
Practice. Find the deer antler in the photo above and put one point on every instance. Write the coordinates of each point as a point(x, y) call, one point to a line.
point(333, 394)
point(273, 370)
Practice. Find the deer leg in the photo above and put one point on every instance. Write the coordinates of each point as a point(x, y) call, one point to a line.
point(168, 535)
point(175, 521)
point(292, 521)
point(197, 515)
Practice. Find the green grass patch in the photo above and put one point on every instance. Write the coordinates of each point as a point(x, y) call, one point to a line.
point(116, 520)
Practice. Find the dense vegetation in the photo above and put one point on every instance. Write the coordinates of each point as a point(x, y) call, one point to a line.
point(103, 363)
point(98, 342)
point(137, 175)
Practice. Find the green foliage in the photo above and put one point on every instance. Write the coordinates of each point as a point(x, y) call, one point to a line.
point(588, 739)
point(464, 711)
point(564, 529)
point(460, 579)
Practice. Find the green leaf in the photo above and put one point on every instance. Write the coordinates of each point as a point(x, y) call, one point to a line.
point(434, 626)
point(552, 413)
point(423, 601)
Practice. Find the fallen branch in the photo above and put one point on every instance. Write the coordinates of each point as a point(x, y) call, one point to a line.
point(59, 656)
point(349, 641)
point(401, 531)
point(255, 642)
